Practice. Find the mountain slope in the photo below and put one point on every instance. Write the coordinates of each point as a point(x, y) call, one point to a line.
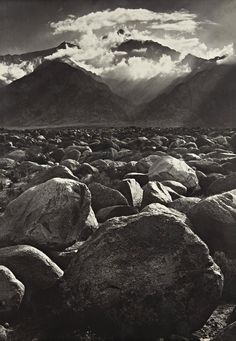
point(30, 56)
point(58, 94)
point(206, 98)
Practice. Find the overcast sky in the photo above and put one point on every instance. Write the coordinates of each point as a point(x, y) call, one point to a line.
point(28, 25)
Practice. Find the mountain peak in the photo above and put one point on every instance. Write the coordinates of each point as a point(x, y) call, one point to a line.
point(66, 44)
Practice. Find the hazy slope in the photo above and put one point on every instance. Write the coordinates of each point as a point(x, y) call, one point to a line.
point(56, 93)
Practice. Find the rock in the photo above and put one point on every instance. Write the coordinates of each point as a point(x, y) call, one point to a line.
point(31, 266)
point(17, 155)
point(184, 204)
point(86, 169)
point(206, 166)
point(73, 154)
point(155, 192)
point(72, 165)
point(115, 211)
point(176, 186)
point(233, 142)
point(132, 191)
point(11, 291)
point(7, 163)
point(227, 334)
point(207, 180)
point(214, 221)
point(53, 172)
point(170, 168)
point(144, 164)
point(50, 215)
point(58, 154)
point(141, 178)
point(228, 268)
point(163, 210)
point(223, 184)
point(143, 276)
point(103, 196)
point(3, 333)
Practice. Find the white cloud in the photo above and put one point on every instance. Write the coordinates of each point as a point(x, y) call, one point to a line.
point(121, 16)
point(11, 72)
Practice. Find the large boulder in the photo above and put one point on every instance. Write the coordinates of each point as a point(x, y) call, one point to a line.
point(31, 266)
point(214, 220)
point(143, 276)
point(170, 168)
point(223, 184)
point(53, 172)
point(11, 291)
point(53, 214)
point(155, 192)
point(132, 191)
point(103, 196)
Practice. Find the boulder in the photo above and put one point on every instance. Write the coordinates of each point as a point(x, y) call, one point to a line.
point(141, 178)
point(50, 215)
point(53, 172)
point(132, 191)
point(233, 142)
point(103, 196)
point(31, 266)
point(176, 186)
point(115, 211)
point(7, 163)
point(166, 211)
point(143, 277)
point(223, 184)
point(155, 192)
point(11, 291)
point(170, 168)
point(184, 204)
point(72, 165)
point(17, 155)
point(214, 220)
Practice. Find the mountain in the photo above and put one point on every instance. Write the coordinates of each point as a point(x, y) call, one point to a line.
point(30, 56)
point(205, 98)
point(148, 48)
point(143, 90)
point(59, 94)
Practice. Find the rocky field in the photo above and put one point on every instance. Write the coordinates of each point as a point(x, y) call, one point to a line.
point(118, 234)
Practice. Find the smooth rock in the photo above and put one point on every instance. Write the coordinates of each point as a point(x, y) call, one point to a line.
point(170, 168)
point(31, 266)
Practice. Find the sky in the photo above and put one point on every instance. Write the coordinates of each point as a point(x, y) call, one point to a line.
point(205, 28)
point(25, 25)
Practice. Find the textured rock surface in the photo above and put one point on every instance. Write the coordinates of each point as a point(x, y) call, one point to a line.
point(11, 291)
point(144, 275)
point(103, 196)
point(51, 215)
point(170, 168)
point(31, 266)
point(214, 220)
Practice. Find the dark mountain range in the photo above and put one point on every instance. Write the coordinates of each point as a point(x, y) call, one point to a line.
point(205, 98)
point(59, 94)
point(148, 48)
point(30, 56)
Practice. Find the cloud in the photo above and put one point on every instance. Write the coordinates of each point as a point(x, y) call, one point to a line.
point(11, 72)
point(121, 16)
point(138, 68)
